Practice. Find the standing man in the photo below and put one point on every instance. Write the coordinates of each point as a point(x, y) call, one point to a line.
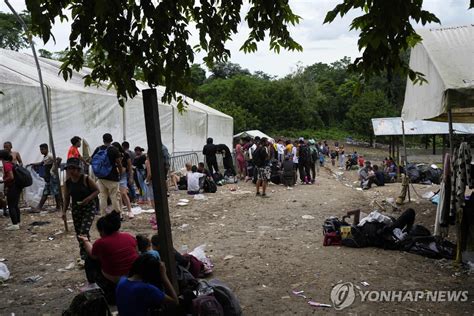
point(106, 161)
point(304, 161)
point(209, 150)
point(51, 181)
point(15, 155)
point(260, 159)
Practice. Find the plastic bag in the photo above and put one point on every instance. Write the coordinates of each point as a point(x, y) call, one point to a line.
point(199, 253)
point(34, 192)
point(4, 273)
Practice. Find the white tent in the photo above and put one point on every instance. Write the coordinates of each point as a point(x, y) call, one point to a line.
point(253, 134)
point(446, 57)
point(89, 112)
point(391, 126)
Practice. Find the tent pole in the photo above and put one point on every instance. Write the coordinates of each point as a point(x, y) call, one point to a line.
point(434, 144)
point(404, 144)
point(124, 123)
point(450, 121)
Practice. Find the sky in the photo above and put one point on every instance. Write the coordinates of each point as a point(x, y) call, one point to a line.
point(321, 43)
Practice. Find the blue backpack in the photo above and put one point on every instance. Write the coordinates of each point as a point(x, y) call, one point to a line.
point(101, 163)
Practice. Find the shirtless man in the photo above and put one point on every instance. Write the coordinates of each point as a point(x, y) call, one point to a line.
point(15, 155)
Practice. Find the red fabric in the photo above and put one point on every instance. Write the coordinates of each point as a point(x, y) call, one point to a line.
point(73, 152)
point(7, 167)
point(116, 253)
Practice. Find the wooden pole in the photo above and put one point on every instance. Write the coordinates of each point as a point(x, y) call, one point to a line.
point(157, 164)
point(434, 144)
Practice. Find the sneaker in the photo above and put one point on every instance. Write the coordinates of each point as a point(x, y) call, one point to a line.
point(13, 227)
point(258, 194)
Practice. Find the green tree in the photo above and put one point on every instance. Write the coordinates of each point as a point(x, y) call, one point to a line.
point(225, 70)
point(370, 104)
point(154, 36)
point(12, 35)
point(45, 53)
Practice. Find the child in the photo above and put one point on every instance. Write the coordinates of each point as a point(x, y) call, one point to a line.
point(288, 172)
point(193, 180)
point(144, 246)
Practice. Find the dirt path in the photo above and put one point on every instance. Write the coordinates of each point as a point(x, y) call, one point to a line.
point(274, 250)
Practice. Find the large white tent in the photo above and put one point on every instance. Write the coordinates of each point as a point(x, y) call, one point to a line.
point(89, 112)
point(391, 126)
point(446, 57)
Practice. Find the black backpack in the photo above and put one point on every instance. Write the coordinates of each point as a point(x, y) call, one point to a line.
point(259, 156)
point(303, 154)
point(209, 186)
point(23, 177)
point(88, 303)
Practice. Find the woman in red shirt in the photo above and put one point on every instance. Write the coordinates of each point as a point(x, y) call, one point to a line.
point(114, 250)
point(13, 192)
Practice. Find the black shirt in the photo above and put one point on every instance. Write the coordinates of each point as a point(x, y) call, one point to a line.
point(209, 151)
point(139, 162)
point(113, 154)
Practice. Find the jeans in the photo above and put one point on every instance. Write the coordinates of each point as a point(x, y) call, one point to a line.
point(13, 198)
point(141, 182)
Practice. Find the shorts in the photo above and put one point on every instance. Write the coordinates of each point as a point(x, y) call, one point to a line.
point(264, 173)
point(51, 187)
point(124, 181)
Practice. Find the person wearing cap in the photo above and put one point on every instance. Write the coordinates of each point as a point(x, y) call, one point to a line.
point(83, 191)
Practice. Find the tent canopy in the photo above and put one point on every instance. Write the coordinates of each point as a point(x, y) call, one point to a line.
point(89, 112)
point(253, 133)
point(446, 57)
point(391, 126)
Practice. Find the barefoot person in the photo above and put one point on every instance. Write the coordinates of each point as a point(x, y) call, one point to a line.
point(83, 191)
point(13, 192)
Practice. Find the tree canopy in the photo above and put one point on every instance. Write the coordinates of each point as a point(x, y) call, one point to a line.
point(12, 35)
point(153, 37)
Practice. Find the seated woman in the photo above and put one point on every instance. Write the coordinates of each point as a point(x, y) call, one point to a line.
point(141, 293)
point(114, 251)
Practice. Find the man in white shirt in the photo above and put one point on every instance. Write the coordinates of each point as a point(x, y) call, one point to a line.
point(193, 178)
point(280, 150)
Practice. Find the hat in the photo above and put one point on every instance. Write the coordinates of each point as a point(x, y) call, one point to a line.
point(301, 139)
point(74, 163)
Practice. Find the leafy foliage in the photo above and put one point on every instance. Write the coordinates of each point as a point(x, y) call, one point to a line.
point(11, 33)
point(153, 37)
point(385, 33)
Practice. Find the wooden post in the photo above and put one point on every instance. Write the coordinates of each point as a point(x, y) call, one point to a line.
point(434, 144)
point(157, 164)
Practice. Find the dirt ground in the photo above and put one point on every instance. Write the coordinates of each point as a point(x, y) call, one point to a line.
point(262, 248)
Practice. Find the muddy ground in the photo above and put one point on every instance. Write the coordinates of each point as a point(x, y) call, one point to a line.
point(270, 250)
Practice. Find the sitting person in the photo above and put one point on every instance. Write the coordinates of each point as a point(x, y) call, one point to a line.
point(379, 178)
point(202, 169)
point(141, 292)
point(193, 177)
point(144, 246)
point(180, 259)
point(365, 174)
point(114, 252)
point(351, 161)
point(178, 178)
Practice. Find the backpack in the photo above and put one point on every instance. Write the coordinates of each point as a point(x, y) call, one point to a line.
point(259, 156)
point(314, 154)
point(207, 305)
point(303, 154)
point(90, 303)
point(101, 163)
point(22, 176)
point(166, 156)
point(209, 186)
point(226, 298)
point(217, 177)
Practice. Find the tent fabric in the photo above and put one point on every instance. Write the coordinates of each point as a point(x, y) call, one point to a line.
point(253, 134)
point(89, 112)
point(390, 126)
point(445, 57)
